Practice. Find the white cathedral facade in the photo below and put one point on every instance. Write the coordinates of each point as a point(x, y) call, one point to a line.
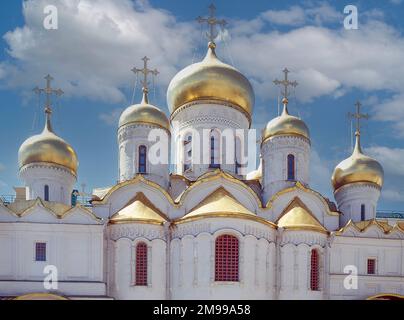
point(207, 230)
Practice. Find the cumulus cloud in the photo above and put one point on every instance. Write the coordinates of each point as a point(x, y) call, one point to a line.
point(392, 161)
point(96, 45)
point(391, 110)
point(111, 118)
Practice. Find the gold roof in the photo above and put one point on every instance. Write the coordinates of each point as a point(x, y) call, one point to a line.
point(144, 113)
point(297, 216)
point(139, 209)
point(47, 147)
point(357, 168)
point(219, 202)
point(362, 226)
point(286, 124)
point(210, 79)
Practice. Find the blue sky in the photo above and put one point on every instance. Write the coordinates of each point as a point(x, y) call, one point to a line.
point(92, 52)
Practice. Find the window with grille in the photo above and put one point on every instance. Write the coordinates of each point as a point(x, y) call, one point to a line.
point(371, 266)
point(141, 264)
point(291, 167)
point(142, 159)
point(227, 258)
point(40, 251)
point(214, 150)
point(314, 271)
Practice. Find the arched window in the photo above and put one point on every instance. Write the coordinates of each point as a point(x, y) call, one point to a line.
point(142, 159)
point(187, 153)
point(291, 167)
point(226, 258)
point(363, 212)
point(141, 264)
point(214, 149)
point(314, 270)
point(46, 193)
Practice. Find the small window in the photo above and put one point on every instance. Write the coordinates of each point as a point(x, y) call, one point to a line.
point(226, 258)
point(141, 264)
point(363, 212)
point(314, 271)
point(40, 251)
point(142, 159)
point(46, 193)
point(371, 266)
point(291, 167)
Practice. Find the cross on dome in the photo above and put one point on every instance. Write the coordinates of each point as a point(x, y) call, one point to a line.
point(358, 116)
point(146, 72)
point(212, 22)
point(48, 90)
point(286, 84)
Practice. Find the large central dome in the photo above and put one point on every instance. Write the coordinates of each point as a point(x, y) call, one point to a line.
point(210, 79)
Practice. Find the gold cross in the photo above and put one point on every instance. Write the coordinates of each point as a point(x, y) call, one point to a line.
point(48, 91)
point(358, 116)
point(145, 71)
point(285, 83)
point(211, 21)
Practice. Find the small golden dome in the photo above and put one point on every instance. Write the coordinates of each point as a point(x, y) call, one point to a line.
point(210, 79)
point(286, 124)
point(357, 168)
point(144, 113)
point(47, 147)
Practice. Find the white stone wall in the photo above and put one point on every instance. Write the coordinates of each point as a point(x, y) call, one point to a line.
point(130, 138)
point(355, 251)
point(196, 117)
point(121, 249)
point(350, 198)
point(60, 182)
point(193, 260)
point(274, 154)
point(76, 251)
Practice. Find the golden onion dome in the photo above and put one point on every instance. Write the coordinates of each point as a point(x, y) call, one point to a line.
point(211, 79)
point(357, 168)
point(144, 113)
point(47, 147)
point(285, 124)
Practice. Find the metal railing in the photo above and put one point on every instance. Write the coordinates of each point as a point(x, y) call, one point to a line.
point(392, 214)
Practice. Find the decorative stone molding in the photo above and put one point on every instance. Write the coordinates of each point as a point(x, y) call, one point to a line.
point(136, 231)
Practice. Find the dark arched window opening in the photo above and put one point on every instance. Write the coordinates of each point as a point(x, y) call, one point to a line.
point(226, 258)
point(214, 150)
point(141, 264)
point(314, 270)
point(363, 212)
point(46, 193)
point(142, 159)
point(291, 167)
point(187, 153)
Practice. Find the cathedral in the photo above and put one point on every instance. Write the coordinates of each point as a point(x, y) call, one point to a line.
point(176, 226)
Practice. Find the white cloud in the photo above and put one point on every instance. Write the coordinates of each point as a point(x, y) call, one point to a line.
point(392, 195)
point(390, 158)
point(392, 161)
point(111, 118)
point(320, 173)
point(96, 45)
point(294, 16)
point(392, 110)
